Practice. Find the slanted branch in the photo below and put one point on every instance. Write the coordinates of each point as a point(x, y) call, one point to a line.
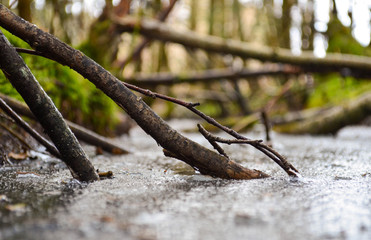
point(207, 161)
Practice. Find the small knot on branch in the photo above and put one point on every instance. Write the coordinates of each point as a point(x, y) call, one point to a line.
point(150, 94)
point(193, 104)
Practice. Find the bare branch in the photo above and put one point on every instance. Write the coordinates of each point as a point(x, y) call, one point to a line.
point(15, 135)
point(214, 138)
point(22, 79)
point(210, 75)
point(211, 140)
point(80, 132)
point(201, 158)
point(280, 160)
point(49, 146)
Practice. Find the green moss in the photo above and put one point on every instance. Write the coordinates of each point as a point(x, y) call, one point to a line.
point(332, 90)
point(76, 98)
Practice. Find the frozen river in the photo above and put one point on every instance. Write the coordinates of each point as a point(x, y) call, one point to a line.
point(154, 197)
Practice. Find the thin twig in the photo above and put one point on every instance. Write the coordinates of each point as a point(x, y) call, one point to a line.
point(32, 52)
point(275, 156)
point(151, 94)
point(214, 138)
point(49, 146)
point(15, 135)
point(212, 141)
point(7, 118)
point(265, 120)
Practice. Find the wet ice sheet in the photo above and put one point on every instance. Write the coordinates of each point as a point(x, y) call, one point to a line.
point(148, 200)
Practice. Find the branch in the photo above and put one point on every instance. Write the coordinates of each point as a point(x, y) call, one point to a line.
point(344, 63)
point(16, 135)
point(151, 94)
point(208, 76)
point(29, 51)
point(270, 152)
point(276, 157)
point(199, 157)
point(49, 146)
point(212, 140)
point(80, 132)
point(160, 17)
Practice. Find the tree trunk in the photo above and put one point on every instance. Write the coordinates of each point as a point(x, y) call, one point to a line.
point(47, 114)
point(201, 158)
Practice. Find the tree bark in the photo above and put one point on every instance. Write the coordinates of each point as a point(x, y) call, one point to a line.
point(346, 64)
point(43, 108)
point(199, 157)
point(80, 132)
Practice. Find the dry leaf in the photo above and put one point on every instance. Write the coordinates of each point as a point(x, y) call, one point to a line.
point(18, 156)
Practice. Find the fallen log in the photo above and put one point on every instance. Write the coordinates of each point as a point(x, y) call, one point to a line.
point(80, 132)
point(330, 120)
point(207, 76)
point(346, 64)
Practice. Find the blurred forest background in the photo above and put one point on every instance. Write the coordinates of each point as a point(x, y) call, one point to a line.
point(321, 26)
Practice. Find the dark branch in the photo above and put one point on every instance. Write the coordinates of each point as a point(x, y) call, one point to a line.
point(49, 146)
point(281, 161)
point(207, 161)
point(212, 140)
point(80, 132)
point(32, 52)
